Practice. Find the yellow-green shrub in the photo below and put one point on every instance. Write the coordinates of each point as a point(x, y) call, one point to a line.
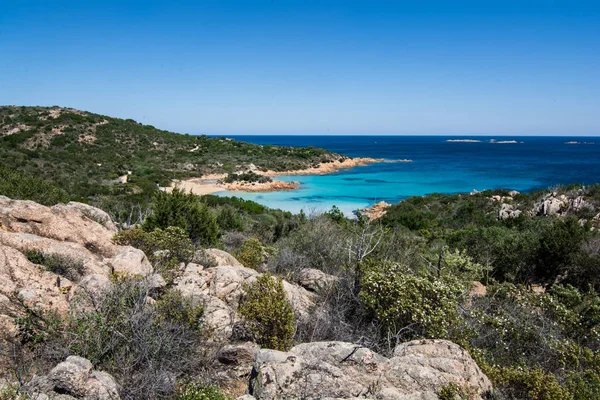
point(411, 305)
point(11, 392)
point(251, 254)
point(200, 391)
point(268, 313)
point(527, 383)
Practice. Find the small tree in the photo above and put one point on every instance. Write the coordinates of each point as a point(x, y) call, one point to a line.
point(269, 315)
point(185, 211)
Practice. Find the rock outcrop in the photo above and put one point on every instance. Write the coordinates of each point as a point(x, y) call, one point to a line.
point(508, 211)
point(376, 211)
point(220, 289)
point(75, 378)
point(555, 204)
point(315, 280)
point(337, 370)
point(75, 231)
point(78, 236)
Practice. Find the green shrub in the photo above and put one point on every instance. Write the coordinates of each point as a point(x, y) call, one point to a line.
point(509, 251)
point(205, 259)
point(230, 220)
point(558, 245)
point(453, 391)
point(200, 391)
point(251, 254)
point(174, 307)
point(246, 177)
point(522, 383)
point(268, 313)
point(410, 305)
point(335, 214)
point(11, 392)
point(34, 326)
point(165, 248)
point(23, 186)
point(460, 265)
point(185, 211)
point(60, 265)
point(584, 385)
point(409, 215)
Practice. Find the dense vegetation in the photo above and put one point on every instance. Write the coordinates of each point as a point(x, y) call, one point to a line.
point(520, 292)
point(85, 154)
point(246, 177)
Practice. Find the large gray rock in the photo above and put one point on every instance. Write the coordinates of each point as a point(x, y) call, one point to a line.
point(131, 261)
point(75, 252)
point(223, 258)
point(337, 370)
point(314, 280)
point(508, 211)
point(93, 213)
point(59, 222)
point(233, 366)
point(555, 204)
point(74, 378)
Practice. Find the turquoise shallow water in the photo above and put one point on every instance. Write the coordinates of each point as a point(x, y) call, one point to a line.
point(438, 166)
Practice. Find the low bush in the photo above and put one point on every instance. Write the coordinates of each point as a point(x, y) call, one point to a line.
point(165, 248)
point(251, 254)
point(268, 313)
point(200, 391)
point(143, 347)
point(205, 259)
point(174, 307)
point(523, 383)
point(229, 219)
point(64, 266)
point(246, 177)
point(320, 241)
point(453, 391)
point(23, 186)
point(11, 392)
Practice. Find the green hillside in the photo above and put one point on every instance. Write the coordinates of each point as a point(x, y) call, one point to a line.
point(86, 153)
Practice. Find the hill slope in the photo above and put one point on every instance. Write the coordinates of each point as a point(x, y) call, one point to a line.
point(87, 153)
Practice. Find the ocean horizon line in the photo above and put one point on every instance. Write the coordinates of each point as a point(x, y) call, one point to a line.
point(465, 136)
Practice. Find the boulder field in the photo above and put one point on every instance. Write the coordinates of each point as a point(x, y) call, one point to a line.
point(82, 235)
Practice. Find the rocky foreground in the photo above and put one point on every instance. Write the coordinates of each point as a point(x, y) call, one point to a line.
point(334, 370)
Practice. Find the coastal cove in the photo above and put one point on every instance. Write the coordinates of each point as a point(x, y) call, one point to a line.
point(441, 164)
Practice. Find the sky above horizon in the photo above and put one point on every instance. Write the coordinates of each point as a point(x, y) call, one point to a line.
point(311, 66)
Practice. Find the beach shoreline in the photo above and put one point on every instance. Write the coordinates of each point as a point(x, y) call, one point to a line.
point(212, 183)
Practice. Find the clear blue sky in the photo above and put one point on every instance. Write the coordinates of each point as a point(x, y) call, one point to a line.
point(311, 66)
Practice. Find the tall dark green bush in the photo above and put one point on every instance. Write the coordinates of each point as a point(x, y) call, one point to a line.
point(185, 211)
point(558, 245)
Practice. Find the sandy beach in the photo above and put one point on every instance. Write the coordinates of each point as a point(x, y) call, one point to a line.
point(210, 183)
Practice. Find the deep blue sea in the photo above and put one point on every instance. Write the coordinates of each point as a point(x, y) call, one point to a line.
point(438, 166)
